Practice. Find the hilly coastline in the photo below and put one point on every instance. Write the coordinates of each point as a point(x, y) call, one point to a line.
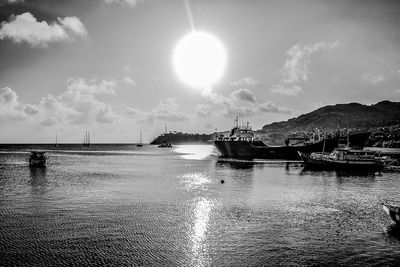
point(381, 119)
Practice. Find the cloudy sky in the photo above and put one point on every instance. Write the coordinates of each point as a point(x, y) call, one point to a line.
point(106, 65)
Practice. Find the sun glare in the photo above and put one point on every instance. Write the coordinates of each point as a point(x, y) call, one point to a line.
point(199, 59)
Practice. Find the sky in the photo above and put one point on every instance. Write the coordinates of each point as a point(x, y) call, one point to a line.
point(106, 66)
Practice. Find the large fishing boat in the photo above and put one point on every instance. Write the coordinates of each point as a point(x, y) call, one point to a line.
point(241, 143)
point(346, 159)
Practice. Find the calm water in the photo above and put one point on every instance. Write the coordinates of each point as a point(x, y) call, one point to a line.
point(127, 205)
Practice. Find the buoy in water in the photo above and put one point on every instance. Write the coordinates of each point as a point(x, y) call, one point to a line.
point(222, 181)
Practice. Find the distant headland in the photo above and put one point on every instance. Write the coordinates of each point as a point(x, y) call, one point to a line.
point(381, 119)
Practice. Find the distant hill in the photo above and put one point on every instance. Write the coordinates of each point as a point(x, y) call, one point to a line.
point(352, 116)
point(181, 138)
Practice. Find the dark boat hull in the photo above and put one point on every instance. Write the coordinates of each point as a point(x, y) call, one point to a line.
point(343, 165)
point(257, 149)
point(245, 149)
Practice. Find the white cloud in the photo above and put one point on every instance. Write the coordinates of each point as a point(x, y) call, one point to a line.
point(245, 81)
point(74, 25)
point(15, 1)
point(79, 86)
point(128, 81)
point(81, 96)
point(130, 3)
point(203, 110)
point(11, 2)
point(240, 102)
point(269, 107)
point(10, 107)
point(106, 114)
point(167, 110)
point(78, 104)
point(244, 95)
point(132, 111)
point(287, 89)
point(295, 71)
point(372, 79)
point(26, 28)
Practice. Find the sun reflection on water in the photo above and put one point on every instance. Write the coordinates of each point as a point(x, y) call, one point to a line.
point(196, 152)
point(201, 220)
point(195, 181)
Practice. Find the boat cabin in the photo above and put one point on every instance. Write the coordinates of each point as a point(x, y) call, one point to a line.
point(352, 154)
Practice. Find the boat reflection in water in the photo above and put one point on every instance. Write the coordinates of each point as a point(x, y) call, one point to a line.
point(237, 164)
point(38, 175)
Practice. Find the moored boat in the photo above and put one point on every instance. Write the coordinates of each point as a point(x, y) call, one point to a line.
point(37, 158)
point(140, 144)
point(86, 139)
point(392, 210)
point(165, 143)
point(241, 143)
point(344, 159)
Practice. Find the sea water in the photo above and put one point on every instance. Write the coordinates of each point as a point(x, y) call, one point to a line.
point(127, 205)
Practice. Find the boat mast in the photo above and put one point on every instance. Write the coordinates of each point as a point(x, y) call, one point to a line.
point(56, 145)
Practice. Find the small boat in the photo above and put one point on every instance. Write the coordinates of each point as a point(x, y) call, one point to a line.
point(344, 159)
point(56, 144)
point(37, 158)
point(141, 141)
point(392, 210)
point(165, 143)
point(86, 139)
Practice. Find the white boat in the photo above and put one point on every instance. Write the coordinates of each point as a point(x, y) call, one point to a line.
point(344, 159)
point(165, 143)
point(56, 144)
point(141, 141)
point(86, 139)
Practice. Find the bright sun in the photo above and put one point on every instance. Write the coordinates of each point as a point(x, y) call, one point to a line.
point(199, 59)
